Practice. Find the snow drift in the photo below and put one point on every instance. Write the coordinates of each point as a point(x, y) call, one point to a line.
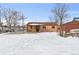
point(38, 43)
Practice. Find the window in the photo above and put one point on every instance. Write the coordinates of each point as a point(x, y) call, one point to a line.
point(30, 26)
point(53, 26)
point(44, 27)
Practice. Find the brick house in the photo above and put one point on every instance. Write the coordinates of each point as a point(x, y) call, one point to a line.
point(42, 27)
point(70, 25)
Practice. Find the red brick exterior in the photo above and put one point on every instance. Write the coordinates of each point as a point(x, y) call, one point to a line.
point(70, 25)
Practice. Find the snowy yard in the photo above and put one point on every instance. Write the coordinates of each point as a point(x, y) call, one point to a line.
point(38, 43)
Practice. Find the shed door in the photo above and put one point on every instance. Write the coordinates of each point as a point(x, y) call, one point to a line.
point(37, 28)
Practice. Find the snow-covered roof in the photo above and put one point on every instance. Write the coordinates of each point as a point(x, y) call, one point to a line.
point(4, 23)
point(42, 23)
point(35, 24)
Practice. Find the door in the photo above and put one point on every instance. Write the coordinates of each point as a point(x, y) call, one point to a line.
point(37, 28)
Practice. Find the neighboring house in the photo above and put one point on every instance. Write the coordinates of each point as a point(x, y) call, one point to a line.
point(5, 28)
point(69, 26)
point(42, 27)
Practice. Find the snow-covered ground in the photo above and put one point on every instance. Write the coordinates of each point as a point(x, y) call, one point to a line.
point(38, 43)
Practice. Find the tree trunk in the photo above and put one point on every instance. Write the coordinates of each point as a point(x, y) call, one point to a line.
point(14, 28)
point(9, 28)
point(0, 26)
point(61, 31)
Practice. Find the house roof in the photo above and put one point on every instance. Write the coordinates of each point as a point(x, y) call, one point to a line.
point(70, 25)
point(42, 23)
point(72, 22)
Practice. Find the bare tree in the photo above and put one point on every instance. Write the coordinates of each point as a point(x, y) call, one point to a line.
point(1, 15)
point(12, 17)
point(50, 18)
point(7, 16)
point(23, 20)
point(60, 13)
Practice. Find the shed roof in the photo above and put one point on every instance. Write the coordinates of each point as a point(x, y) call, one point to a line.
point(42, 23)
